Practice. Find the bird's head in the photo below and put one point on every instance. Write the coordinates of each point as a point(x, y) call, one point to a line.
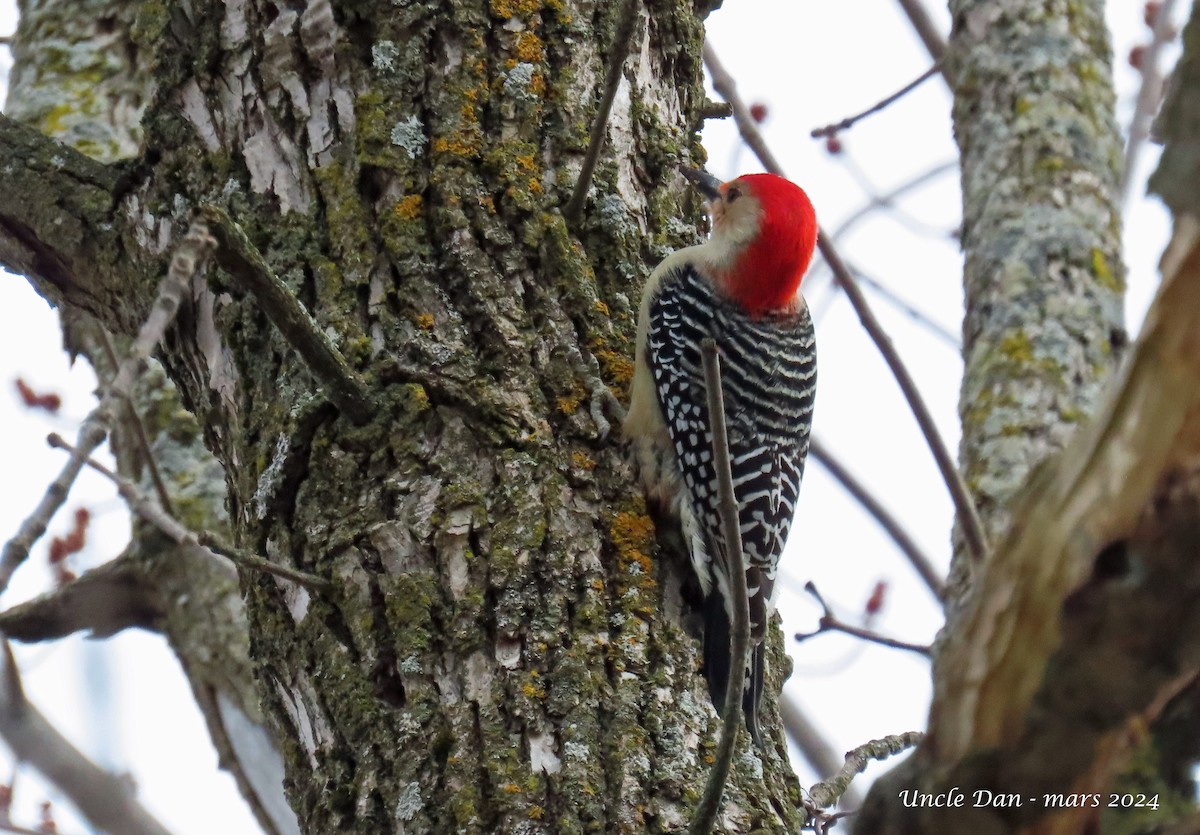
point(764, 231)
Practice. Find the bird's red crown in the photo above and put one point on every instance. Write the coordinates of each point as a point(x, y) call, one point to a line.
point(766, 273)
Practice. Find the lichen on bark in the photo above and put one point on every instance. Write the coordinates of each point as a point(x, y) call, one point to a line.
point(503, 651)
point(1044, 279)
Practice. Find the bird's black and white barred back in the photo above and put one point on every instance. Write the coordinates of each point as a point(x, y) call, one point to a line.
point(741, 288)
point(768, 365)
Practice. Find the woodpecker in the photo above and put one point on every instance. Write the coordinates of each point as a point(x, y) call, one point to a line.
point(740, 288)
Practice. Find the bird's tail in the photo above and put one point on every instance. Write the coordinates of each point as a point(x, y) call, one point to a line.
point(716, 665)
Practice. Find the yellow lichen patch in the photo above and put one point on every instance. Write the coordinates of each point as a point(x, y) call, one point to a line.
point(1016, 347)
point(537, 84)
point(510, 788)
point(408, 207)
point(600, 307)
point(529, 48)
point(618, 367)
point(526, 162)
point(515, 8)
point(633, 536)
point(582, 461)
point(488, 203)
point(535, 185)
point(1103, 272)
point(533, 688)
point(424, 321)
point(537, 813)
point(459, 144)
point(567, 404)
point(418, 398)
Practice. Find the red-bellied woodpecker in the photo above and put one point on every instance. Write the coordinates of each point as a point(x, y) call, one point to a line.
point(740, 288)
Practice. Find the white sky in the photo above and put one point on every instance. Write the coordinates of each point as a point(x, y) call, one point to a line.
point(813, 63)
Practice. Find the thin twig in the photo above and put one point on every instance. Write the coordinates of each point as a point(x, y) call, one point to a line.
point(239, 257)
point(968, 516)
point(907, 545)
point(715, 110)
point(887, 200)
point(612, 79)
point(935, 44)
point(104, 799)
point(188, 259)
point(139, 428)
point(849, 121)
point(827, 792)
point(150, 511)
point(710, 803)
point(1148, 96)
point(829, 622)
point(815, 748)
point(12, 827)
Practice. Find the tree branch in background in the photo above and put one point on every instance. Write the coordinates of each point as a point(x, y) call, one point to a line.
point(968, 516)
point(815, 748)
point(149, 511)
point(829, 622)
point(138, 425)
point(849, 121)
point(705, 816)
point(102, 602)
point(907, 545)
point(238, 256)
point(103, 798)
point(1149, 94)
point(619, 51)
point(188, 259)
point(1087, 618)
point(934, 42)
point(827, 792)
point(887, 200)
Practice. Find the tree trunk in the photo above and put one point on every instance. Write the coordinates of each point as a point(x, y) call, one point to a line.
point(500, 651)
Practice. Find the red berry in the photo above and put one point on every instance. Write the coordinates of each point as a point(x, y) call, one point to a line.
point(759, 112)
point(1136, 56)
point(876, 600)
point(833, 145)
point(1150, 12)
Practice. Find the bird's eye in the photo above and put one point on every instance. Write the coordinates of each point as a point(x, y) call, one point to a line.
point(732, 193)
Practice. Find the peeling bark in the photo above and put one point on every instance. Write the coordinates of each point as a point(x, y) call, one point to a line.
point(502, 651)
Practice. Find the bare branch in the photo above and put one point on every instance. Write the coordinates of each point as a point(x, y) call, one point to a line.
point(968, 516)
point(612, 79)
point(715, 110)
point(934, 42)
point(815, 748)
point(49, 194)
point(830, 623)
point(105, 600)
point(705, 816)
point(138, 425)
point(104, 799)
point(888, 200)
point(1149, 94)
point(188, 260)
point(849, 121)
point(907, 545)
point(239, 257)
point(149, 511)
point(827, 792)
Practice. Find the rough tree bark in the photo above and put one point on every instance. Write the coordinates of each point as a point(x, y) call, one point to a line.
point(1079, 629)
point(500, 652)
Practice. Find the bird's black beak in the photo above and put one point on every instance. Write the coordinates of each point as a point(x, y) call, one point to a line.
point(706, 183)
